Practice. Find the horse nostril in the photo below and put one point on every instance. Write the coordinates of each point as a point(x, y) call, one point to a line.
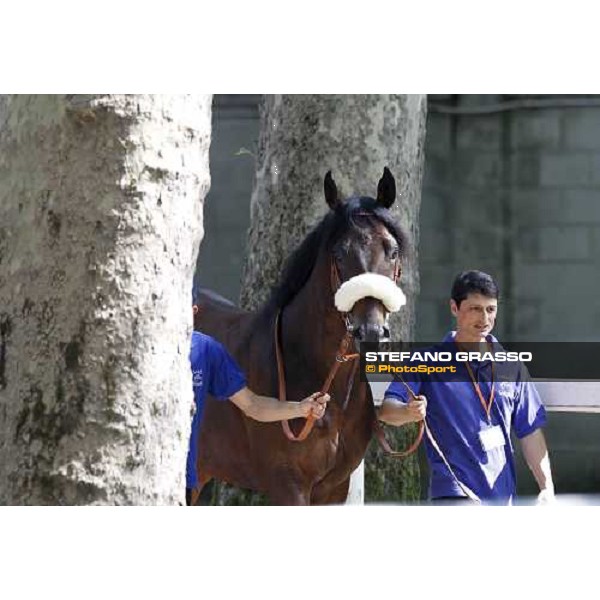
point(369, 332)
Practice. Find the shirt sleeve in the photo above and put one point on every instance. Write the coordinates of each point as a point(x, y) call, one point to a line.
point(225, 377)
point(529, 413)
point(398, 390)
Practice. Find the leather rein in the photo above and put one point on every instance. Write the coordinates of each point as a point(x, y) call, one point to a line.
point(342, 356)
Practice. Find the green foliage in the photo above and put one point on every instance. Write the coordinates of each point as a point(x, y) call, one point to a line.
point(390, 479)
point(227, 495)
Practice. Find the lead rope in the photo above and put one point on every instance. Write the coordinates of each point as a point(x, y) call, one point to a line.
point(342, 356)
point(385, 446)
point(465, 489)
point(378, 429)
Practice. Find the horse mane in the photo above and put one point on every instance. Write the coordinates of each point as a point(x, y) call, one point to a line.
point(300, 264)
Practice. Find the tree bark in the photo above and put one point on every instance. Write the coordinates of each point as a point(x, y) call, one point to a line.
point(100, 222)
point(301, 138)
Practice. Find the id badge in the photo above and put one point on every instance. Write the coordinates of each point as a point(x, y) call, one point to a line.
point(491, 437)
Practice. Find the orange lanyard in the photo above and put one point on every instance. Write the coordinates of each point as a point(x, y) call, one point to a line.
point(487, 406)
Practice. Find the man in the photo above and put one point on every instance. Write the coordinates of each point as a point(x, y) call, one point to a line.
point(215, 371)
point(471, 415)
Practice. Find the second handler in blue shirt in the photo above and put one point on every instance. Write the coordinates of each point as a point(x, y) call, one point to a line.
point(214, 371)
point(471, 419)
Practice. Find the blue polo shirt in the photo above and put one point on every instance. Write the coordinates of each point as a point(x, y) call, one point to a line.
point(214, 371)
point(456, 416)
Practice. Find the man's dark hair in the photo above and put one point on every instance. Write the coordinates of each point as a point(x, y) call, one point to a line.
point(473, 282)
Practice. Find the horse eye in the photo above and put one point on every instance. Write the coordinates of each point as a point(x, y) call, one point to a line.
point(393, 254)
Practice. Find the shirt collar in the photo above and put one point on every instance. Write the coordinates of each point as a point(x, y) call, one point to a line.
point(489, 338)
point(449, 337)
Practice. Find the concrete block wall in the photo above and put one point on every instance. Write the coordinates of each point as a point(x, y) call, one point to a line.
point(227, 206)
point(515, 193)
point(462, 207)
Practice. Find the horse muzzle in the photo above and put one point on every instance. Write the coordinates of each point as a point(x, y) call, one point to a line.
point(371, 332)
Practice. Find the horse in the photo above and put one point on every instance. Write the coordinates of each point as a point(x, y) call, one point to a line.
point(357, 239)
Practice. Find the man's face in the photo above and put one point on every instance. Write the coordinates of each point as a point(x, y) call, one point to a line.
point(475, 317)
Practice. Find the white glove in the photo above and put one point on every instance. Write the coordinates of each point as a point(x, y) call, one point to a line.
point(545, 497)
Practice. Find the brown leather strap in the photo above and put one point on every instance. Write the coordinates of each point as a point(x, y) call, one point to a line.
point(310, 420)
point(380, 433)
point(334, 277)
point(349, 385)
point(342, 356)
point(397, 271)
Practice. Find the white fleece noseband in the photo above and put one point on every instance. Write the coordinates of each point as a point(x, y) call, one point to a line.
point(369, 285)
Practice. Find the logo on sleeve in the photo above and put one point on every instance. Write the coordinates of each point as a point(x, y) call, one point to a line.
point(197, 378)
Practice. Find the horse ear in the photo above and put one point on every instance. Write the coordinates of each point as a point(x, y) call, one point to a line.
point(386, 189)
point(331, 193)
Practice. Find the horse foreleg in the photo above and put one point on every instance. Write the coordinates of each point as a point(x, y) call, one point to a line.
point(337, 494)
point(284, 489)
point(289, 498)
point(197, 497)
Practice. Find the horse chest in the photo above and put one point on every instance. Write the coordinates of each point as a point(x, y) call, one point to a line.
point(345, 434)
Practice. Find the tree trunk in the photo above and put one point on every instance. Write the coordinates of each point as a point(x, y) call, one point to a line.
point(100, 222)
point(301, 138)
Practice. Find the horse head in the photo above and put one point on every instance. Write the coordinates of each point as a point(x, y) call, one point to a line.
point(366, 251)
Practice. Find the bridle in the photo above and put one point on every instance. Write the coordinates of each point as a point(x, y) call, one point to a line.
point(342, 356)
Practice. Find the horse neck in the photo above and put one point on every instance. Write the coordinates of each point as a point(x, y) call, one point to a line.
point(311, 326)
point(312, 330)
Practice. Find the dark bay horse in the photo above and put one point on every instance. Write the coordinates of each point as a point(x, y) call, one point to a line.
point(357, 236)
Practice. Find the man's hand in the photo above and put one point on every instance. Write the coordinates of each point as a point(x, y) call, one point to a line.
point(397, 413)
point(315, 405)
point(416, 409)
point(536, 456)
point(546, 496)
